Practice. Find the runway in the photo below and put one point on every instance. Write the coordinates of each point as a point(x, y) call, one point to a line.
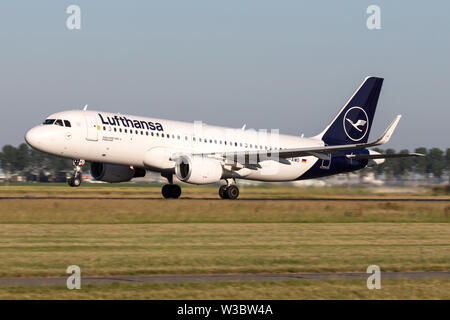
point(244, 199)
point(196, 278)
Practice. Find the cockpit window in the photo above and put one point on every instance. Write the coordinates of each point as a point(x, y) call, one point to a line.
point(58, 122)
point(49, 121)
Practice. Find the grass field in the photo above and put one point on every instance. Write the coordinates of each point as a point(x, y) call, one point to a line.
point(296, 289)
point(264, 191)
point(114, 237)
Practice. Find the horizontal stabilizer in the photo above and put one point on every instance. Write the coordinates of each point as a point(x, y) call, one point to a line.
point(382, 156)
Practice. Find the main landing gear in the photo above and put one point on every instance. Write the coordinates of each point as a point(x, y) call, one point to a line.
point(75, 180)
point(229, 190)
point(170, 191)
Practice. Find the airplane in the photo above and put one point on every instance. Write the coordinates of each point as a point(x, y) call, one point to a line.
point(122, 147)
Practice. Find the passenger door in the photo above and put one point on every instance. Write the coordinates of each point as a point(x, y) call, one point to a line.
point(91, 126)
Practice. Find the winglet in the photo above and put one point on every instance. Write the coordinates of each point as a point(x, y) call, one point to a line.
point(388, 132)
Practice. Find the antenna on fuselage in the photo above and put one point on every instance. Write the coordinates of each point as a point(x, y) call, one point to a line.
point(243, 127)
point(85, 108)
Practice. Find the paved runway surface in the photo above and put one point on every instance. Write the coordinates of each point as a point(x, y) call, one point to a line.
point(248, 199)
point(98, 280)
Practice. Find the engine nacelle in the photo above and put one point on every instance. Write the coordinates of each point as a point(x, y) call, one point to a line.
point(198, 170)
point(114, 173)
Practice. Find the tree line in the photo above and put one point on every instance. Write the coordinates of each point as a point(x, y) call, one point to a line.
point(435, 165)
point(31, 164)
point(35, 165)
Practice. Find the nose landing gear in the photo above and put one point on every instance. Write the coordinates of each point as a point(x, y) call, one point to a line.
point(75, 180)
point(229, 191)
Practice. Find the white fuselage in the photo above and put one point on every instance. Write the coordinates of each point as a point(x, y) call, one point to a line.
point(151, 143)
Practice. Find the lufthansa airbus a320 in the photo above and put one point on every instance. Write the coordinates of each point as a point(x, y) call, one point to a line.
point(122, 147)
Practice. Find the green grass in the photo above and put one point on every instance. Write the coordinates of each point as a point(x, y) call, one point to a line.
point(220, 211)
point(295, 289)
point(133, 236)
point(267, 191)
point(114, 249)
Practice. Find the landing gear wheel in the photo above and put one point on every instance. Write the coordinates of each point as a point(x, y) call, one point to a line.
point(166, 191)
point(232, 192)
point(171, 191)
point(176, 191)
point(74, 182)
point(223, 192)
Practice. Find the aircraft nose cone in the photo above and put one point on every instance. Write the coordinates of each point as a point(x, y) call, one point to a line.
point(32, 137)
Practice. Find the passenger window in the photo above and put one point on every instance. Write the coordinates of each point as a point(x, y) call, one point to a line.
point(67, 123)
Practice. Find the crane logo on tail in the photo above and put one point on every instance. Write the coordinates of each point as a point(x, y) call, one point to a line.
point(356, 123)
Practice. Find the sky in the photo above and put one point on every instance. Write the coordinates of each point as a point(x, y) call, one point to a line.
point(287, 65)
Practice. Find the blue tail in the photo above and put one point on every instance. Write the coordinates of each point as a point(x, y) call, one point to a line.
point(353, 122)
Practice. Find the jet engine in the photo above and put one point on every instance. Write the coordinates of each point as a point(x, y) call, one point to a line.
point(114, 173)
point(198, 170)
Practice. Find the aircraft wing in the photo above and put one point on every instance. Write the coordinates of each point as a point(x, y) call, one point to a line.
point(321, 152)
